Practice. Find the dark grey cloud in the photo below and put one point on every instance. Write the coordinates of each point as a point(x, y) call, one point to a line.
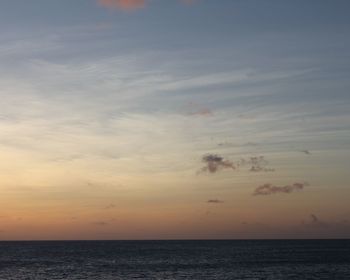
point(268, 189)
point(215, 163)
point(215, 201)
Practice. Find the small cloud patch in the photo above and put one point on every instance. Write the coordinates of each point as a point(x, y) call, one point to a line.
point(215, 201)
point(215, 163)
point(268, 189)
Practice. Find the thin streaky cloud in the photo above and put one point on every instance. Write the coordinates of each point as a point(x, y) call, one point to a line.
point(215, 201)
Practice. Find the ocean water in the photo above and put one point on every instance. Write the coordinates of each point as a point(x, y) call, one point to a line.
point(273, 259)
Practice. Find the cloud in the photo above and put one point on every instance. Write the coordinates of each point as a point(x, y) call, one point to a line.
point(316, 222)
point(198, 110)
point(68, 158)
point(268, 189)
point(101, 223)
point(229, 144)
point(110, 206)
point(131, 4)
point(246, 117)
point(321, 228)
point(122, 4)
point(215, 163)
point(257, 164)
point(215, 201)
point(314, 219)
point(203, 112)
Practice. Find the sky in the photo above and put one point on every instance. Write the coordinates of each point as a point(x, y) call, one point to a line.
point(174, 119)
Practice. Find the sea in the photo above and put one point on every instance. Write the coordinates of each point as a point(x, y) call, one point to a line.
point(160, 260)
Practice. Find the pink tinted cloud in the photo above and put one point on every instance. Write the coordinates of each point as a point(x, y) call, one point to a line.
point(203, 112)
point(131, 4)
point(196, 109)
point(123, 4)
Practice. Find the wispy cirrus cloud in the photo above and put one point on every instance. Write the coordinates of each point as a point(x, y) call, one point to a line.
point(268, 189)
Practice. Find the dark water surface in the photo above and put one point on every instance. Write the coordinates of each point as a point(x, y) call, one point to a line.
point(273, 259)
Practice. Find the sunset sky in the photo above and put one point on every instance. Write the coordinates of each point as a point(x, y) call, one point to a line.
point(174, 119)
